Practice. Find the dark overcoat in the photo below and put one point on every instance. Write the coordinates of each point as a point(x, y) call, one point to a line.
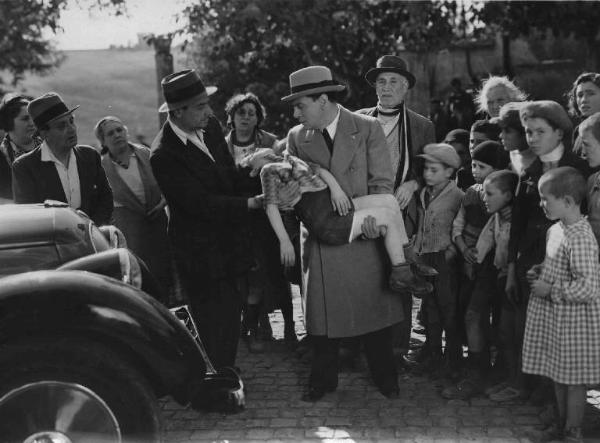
point(208, 218)
point(35, 181)
point(346, 291)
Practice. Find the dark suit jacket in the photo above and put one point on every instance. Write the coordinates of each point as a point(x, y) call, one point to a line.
point(35, 181)
point(208, 218)
point(529, 223)
point(422, 132)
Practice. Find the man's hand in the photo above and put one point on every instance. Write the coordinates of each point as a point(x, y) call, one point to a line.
point(287, 254)
point(256, 202)
point(405, 192)
point(155, 211)
point(470, 255)
point(540, 288)
point(370, 229)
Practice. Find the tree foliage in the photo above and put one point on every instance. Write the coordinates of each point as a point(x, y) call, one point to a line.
point(254, 45)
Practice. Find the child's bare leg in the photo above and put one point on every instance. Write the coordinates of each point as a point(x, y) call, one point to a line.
point(575, 405)
point(383, 201)
point(395, 236)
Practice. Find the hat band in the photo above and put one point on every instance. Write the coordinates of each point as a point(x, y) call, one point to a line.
point(179, 95)
point(50, 113)
point(306, 86)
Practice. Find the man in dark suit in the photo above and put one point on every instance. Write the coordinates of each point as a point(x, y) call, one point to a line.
point(406, 134)
point(60, 169)
point(208, 218)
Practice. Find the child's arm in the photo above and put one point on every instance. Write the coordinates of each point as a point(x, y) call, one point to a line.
point(469, 254)
point(339, 199)
point(286, 247)
point(583, 287)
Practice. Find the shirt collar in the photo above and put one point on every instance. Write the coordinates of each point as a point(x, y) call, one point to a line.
point(181, 134)
point(332, 127)
point(554, 155)
point(48, 155)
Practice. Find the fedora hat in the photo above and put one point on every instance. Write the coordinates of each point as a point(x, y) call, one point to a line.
point(47, 108)
point(182, 88)
point(311, 80)
point(390, 63)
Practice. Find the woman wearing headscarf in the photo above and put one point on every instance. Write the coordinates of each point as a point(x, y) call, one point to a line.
point(19, 138)
point(139, 207)
point(269, 288)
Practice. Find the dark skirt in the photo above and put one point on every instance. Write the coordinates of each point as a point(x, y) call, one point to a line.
point(316, 212)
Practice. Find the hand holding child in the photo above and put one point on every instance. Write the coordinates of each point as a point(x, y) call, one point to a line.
point(340, 201)
point(470, 255)
point(286, 252)
point(533, 274)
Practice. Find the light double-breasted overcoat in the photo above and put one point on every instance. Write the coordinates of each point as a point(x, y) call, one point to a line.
point(345, 287)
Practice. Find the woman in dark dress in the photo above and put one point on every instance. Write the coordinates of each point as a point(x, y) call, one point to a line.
point(269, 288)
point(19, 138)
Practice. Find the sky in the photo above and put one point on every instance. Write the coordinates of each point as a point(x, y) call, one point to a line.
point(94, 29)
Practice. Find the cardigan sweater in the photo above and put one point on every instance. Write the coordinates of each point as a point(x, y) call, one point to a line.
point(435, 220)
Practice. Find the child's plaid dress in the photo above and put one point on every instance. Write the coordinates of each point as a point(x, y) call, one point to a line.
point(562, 332)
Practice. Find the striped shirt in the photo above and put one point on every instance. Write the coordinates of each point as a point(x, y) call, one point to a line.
point(275, 175)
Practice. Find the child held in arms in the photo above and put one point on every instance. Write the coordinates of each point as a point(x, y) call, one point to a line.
point(329, 214)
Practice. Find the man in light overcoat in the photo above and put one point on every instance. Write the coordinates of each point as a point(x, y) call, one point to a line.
point(345, 291)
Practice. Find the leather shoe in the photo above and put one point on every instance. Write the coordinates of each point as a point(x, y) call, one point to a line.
point(315, 393)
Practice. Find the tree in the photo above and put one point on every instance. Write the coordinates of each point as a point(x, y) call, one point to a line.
point(23, 24)
point(515, 19)
point(254, 45)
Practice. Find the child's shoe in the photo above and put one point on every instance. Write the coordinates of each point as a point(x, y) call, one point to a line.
point(547, 434)
point(402, 279)
point(423, 270)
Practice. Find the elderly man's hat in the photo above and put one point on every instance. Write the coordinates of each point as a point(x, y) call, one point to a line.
point(311, 80)
point(47, 108)
point(390, 63)
point(182, 88)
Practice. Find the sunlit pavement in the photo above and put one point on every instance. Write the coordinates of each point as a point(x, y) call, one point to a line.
point(356, 412)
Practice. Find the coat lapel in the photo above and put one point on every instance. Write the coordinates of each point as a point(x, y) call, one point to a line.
point(344, 143)
point(314, 147)
point(51, 184)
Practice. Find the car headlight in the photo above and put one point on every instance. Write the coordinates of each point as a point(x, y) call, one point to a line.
point(131, 271)
point(115, 237)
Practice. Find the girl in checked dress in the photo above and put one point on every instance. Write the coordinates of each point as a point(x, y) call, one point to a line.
point(562, 332)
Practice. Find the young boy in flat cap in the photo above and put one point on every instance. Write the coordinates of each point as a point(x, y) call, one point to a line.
point(548, 132)
point(438, 203)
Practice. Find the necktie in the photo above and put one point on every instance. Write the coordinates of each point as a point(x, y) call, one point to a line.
point(328, 140)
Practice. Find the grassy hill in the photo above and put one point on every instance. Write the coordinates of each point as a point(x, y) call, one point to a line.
point(105, 82)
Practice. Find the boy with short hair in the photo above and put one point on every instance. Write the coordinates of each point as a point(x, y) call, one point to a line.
point(438, 203)
point(481, 131)
point(499, 188)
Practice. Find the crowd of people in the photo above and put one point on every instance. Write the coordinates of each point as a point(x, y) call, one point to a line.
point(494, 228)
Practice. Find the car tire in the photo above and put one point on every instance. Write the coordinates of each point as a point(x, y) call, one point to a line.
point(79, 387)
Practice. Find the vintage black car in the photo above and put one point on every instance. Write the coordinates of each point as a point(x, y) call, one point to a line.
point(86, 348)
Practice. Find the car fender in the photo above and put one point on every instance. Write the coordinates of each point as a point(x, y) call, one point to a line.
point(97, 307)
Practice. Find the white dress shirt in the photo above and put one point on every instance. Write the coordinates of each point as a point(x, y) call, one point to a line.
point(69, 176)
point(196, 138)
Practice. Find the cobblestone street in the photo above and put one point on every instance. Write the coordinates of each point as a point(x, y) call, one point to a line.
point(356, 412)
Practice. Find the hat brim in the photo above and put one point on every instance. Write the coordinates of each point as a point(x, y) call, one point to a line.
point(329, 88)
point(70, 111)
point(371, 75)
point(433, 159)
point(166, 107)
